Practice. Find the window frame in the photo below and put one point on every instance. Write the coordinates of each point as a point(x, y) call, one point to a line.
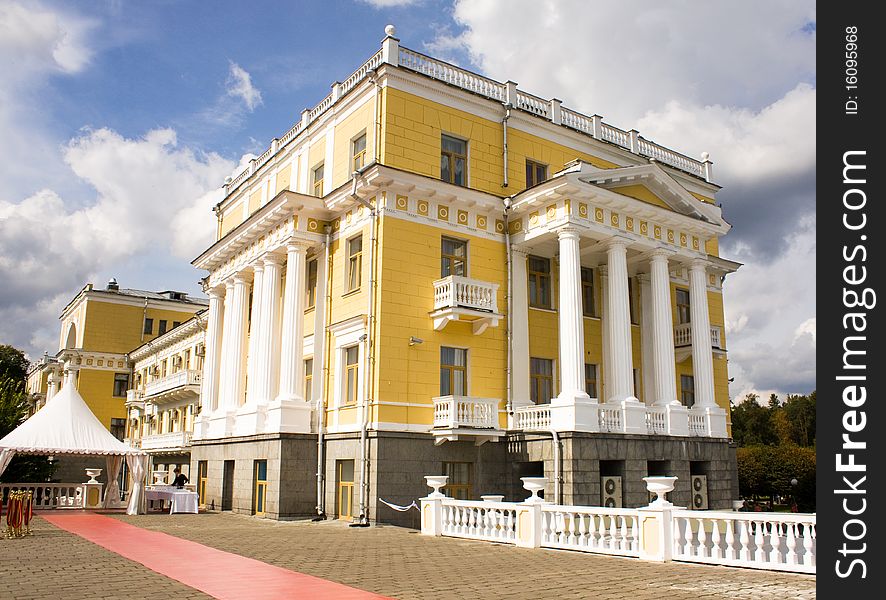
point(308, 388)
point(311, 283)
point(451, 158)
point(361, 154)
point(260, 487)
point(354, 258)
point(125, 383)
point(537, 379)
point(534, 279)
point(632, 301)
point(593, 381)
point(588, 290)
point(532, 167)
point(453, 369)
point(453, 257)
point(317, 183)
point(350, 397)
point(684, 310)
point(458, 490)
point(148, 326)
point(687, 393)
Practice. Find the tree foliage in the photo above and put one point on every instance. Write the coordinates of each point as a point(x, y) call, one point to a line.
point(13, 411)
point(791, 422)
point(13, 363)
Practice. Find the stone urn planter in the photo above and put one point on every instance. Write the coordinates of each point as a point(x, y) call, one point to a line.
point(92, 474)
point(160, 477)
point(534, 485)
point(493, 498)
point(436, 482)
point(660, 486)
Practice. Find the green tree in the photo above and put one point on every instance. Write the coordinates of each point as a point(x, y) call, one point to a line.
point(800, 414)
point(13, 363)
point(767, 471)
point(13, 411)
point(752, 423)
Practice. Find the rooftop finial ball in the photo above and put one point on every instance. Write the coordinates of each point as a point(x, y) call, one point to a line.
point(705, 156)
point(390, 30)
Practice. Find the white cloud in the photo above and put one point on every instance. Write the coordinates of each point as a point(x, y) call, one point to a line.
point(239, 85)
point(390, 3)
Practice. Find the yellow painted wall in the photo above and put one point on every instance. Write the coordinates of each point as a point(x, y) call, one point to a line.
point(413, 127)
point(97, 389)
point(642, 193)
point(117, 328)
point(284, 178)
point(359, 121)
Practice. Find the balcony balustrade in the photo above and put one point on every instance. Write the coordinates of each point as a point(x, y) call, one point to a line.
point(188, 380)
point(683, 336)
point(459, 298)
point(166, 441)
point(460, 417)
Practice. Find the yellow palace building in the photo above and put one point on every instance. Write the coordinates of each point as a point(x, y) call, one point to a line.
point(437, 273)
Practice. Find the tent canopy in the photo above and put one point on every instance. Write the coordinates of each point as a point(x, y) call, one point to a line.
point(64, 426)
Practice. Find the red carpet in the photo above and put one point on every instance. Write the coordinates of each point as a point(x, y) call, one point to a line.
point(214, 572)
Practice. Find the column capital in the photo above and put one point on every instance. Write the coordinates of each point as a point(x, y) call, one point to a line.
point(616, 241)
point(258, 266)
point(698, 264)
point(272, 259)
point(568, 232)
point(297, 245)
point(229, 284)
point(524, 252)
point(239, 277)
point(660, 254)
point(217, 292)
point(643, 277)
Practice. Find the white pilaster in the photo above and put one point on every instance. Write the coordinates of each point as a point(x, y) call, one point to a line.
point(237, 347)
point(646, 343)
point(289, 412)
point(619, 372)
point(53, 384)
point(606, 376)
point(269, 355)
point(319, 334)
point(212, 361)
point(663, 361)
point(571, 321)
point(224, 389)
point(520, 329)
point(702, 355)
point(255, 333)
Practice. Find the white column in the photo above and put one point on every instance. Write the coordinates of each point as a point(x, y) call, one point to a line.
point(255, 333)
point(292, 339)
point(604, 325)
point(269, 354)
point(237, 346)
point(663, 361)
point(319, 386)
point(571, 335)
point(224, 390)
point(520, 328)
point(702, 355)
point(620, 373)
point(53, 379)
point(212, 349)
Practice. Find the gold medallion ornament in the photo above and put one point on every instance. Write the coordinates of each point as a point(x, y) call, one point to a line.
point(644, 228)
point(613, 218)
point(423, 207)
point(442, 212)
point(481, 222)
point(462, 217)
point(402, 202)
point(533, 219)
point(657, 231)
point(583, 210)
point(629, 223)
point(499, 226)
point(670, 236)
point(682, 239)
point(551, 212)
point(598, 215)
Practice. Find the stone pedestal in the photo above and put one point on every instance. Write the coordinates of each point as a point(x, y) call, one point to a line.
point(288, 416)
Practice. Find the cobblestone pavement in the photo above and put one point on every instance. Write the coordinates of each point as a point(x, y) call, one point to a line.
point(404, 564)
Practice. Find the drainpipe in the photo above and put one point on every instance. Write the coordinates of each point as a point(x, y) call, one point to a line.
point(504, 133)
point(369, 342)
point(321, 412)
point(509, 406)
point(144, 316)
point(556, 456)
point(373, 77)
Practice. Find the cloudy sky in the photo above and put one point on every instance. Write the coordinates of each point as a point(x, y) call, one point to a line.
point(120, 119)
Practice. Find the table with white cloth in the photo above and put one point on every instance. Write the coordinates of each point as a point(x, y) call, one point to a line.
point(180, 500)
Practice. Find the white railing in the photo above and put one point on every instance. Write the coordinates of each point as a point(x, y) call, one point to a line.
point(437, 69)
point(656, 419)
point(48, 495)
point(616, 136)
point(533, 418)
point(360, 74)
point(776, 541)
point(611, 418)
point(698, 424)
point(452, 412)
point(456, 291)
point(160, 441)
point(492, 521)
point(669, 157)
point(683, 335)
point(533, 104)
point(170, 382)
point(590, 529)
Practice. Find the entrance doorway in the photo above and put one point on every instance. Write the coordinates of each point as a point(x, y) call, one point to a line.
point(344, 478)
point(228, 486)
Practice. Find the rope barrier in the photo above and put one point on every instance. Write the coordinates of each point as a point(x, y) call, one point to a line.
point(400, 508)
point(19, 511)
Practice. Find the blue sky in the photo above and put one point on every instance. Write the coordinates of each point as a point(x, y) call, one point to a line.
point(120, 119)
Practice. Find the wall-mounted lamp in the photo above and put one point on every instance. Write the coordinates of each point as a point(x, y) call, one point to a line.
point(414, 340)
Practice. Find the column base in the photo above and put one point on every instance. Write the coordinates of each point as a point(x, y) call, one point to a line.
point(250, 419)
point(634, 416)
point(221, 424)
point(288, 416)
point(677, 419)
point(201, 427)
point(575, 411)
point(716, 418)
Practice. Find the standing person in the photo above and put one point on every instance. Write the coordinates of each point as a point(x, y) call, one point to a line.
point(180, 479)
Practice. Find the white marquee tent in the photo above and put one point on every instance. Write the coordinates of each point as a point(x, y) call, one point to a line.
point(65, 425)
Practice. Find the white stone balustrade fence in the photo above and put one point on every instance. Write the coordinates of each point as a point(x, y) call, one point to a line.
point(49, 495)
point(658, 532)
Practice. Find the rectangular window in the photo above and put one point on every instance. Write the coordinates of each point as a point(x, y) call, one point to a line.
point(121, 384)
point(683, 313)
point(460, 482)
point(260, 489)
point(454, 258)
point(453, 160)
point(632, 298)
point(687, 390)
point(352, 372)
point(149, 326)
point(591, 380)
point(359, 152)
point(309, 378)
point(317, 178)
point(541, 380)
point(355, 263)
point(453, 371)
point(176, 324)
point(539, 275)
point(161, 327)
point(587, 292)
point(118, 428)
point(344, 497)
point(535, 173)
point(311, 284)
point(202, 470)
point(637, 383)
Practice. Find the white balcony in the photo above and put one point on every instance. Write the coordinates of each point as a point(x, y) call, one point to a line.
point(176, 440)
point(683, 340)
point(174, 387)
point(533, 418)
point(459, 298)
point(463, 417)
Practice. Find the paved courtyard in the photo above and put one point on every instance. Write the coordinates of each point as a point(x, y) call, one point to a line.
point(391, 561)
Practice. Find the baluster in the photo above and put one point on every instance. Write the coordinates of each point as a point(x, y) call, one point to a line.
point(775, 542)
point(702, 537)
point(730, 540)
point(744, 539)
point(561, 527)
point(573, 527)
point(791, 543)
point(512, 515)
point(623, 542)
point(635, 541)
point(759, 555)
point(716, 551)
point(582, 530)
point(679, 537)
point(808, 537)
point(593, 531)
point(613, 533)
